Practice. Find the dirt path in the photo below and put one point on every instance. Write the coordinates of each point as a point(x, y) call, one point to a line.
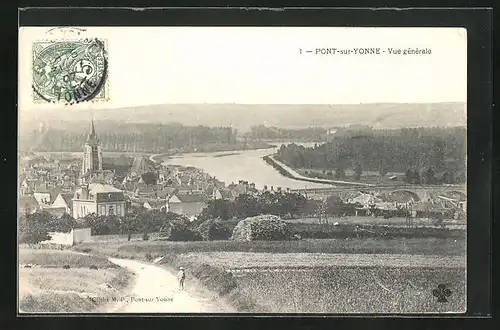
point(156, 291)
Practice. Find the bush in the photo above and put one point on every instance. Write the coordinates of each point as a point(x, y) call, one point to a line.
point(262, 227)
point(213, 230)
point(175, 231)
point(33, 228)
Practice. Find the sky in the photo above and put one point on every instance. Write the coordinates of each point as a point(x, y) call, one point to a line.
point(263, 65)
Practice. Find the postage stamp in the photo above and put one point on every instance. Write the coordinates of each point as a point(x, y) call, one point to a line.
point(70, 71)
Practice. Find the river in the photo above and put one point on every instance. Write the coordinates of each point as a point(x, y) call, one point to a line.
point(248, 165)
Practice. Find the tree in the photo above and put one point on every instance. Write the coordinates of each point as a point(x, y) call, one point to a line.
point(416, 177)
point(437, 154)
point(129, 225)
point(409, 177)
point(64, 223)
point(334, 205)
point(448, 177)
point(357, 171)
point(98, 224)
point(461, 178)
point(148, 221)
point(382, 170)
point(33, 228)
point(217, 209)
point(428, 176)
point(178, 231)
point(213, 230)
point(385, 150)
point(246, 206)
point(339, 172)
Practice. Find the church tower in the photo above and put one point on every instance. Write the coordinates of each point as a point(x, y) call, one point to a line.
point(92, 154)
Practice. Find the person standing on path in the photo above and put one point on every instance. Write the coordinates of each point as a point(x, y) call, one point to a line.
point(181, 276)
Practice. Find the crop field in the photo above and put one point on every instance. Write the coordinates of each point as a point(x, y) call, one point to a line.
point(46, 287)
point(356, 290)
point(248, 260)
point(417, 246)
point(340, 283)
point(355, 275)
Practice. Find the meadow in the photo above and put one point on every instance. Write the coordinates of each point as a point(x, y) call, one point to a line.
point(331, 283)
point(47, 287)
point(418, 246)
point(57, 259)
point(353, 289)
point(327, 283)
point(281, 261)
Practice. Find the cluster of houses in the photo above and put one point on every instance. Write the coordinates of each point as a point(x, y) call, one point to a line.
point(447, 205)
point(80, 187)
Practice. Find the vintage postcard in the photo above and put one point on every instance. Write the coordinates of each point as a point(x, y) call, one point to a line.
point(242, 170)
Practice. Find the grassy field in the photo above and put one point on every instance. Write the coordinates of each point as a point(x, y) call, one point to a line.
point(47, 287)
point(418, 246)
point(280, 261)
point(330, 283)
point(327, 283)
point(57, 259)
point(322, 276)
point(355, 290)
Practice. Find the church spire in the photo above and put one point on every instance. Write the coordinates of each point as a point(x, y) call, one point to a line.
point(92, 137)
point(93, 129)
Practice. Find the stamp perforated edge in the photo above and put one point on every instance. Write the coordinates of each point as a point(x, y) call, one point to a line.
point(105, 88)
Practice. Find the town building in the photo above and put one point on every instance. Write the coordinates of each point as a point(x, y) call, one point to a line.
point(187, 204)
point(100, 199)
point(64, 200)
point(152, 204)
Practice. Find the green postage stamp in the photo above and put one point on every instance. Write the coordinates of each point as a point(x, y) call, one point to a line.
point(70, 71)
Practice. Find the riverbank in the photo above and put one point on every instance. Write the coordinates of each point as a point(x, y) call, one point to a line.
point(158, 158)
point(291, 173)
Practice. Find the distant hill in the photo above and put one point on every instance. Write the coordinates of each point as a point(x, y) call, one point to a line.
point(242, 117)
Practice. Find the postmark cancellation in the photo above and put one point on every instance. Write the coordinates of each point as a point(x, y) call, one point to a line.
point(70, 71)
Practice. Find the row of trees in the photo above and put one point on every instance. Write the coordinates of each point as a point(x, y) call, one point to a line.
point(283, 204)
point(212, 224)
point(428, 176)
point(34, 228)
point(442, 149)
point(263, 132)
point(138, 137)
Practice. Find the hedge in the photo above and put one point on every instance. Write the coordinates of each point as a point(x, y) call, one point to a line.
point(261, 227)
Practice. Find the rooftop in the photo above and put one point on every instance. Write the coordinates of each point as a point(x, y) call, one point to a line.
point(192, 198)
point(68, 197)
point(97, 188)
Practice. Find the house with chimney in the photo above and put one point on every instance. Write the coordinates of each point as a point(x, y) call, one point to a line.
point(100, 199)
point(243, 187)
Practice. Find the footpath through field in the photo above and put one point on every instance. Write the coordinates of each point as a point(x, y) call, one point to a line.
point(156, 291)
